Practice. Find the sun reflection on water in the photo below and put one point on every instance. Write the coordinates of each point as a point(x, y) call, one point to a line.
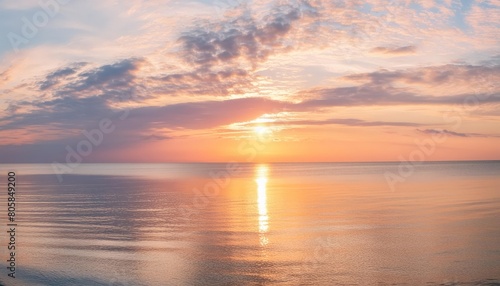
point(261, 180)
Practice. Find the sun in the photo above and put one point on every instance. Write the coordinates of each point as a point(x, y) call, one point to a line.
point(261, 130)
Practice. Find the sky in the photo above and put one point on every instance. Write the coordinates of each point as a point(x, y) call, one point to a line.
point(249, 81)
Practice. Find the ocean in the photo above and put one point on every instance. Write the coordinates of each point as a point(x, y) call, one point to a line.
point(437, 223)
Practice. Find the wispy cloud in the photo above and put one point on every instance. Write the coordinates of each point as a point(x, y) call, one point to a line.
point(432, 75)
point(398, 51)
point(347, 122)
point(452, 133)
point(368, 94)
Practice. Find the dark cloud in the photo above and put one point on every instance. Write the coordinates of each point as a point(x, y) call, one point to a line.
point(444, 131)
point(242, 38)
point(384, 87)
point(397, 51)
point(358, 95)
point(206, 114)
point(223, 55)
point(110, 76)
point(76, 99)
point(114, 82)
point(156, 137)
point(372, 94)
point(53, 78)
point(82, 113)
point(66, 112)
point(40, 152)
point(433, 75)
point(67, 115)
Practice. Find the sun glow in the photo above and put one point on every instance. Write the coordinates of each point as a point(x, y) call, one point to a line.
point(262, 130)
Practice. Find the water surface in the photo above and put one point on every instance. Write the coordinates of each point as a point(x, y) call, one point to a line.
point(280, 224)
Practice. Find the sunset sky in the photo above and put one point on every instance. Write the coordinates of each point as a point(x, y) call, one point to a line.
point(204, 80)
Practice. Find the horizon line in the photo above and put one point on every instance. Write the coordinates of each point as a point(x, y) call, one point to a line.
point(277, 162)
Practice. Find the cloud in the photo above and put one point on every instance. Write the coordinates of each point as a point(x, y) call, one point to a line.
point(345, 121)
point(221, 57)
point(111, 82)
point(370, 94)
point(66, 112)
point(82, 113)
point(398, 51)
point(432, 75)
point(61, 121)
point(79, 97)
point(54, 78)
point(227, 58)
point(79, 93)
point(452, 133)
point(78, 112)
point(202, 82)
point(443, 82)
point(116, 80)
point(444, 131)
point(71, 112)
point(5, 75)
point(206, 114)
point(114, 74)
point(242, 38)
point(156, 137)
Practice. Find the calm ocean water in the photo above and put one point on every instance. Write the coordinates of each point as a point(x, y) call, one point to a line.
point(279, 224)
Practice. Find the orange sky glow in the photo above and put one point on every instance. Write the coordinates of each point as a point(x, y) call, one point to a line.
point(250, 81)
